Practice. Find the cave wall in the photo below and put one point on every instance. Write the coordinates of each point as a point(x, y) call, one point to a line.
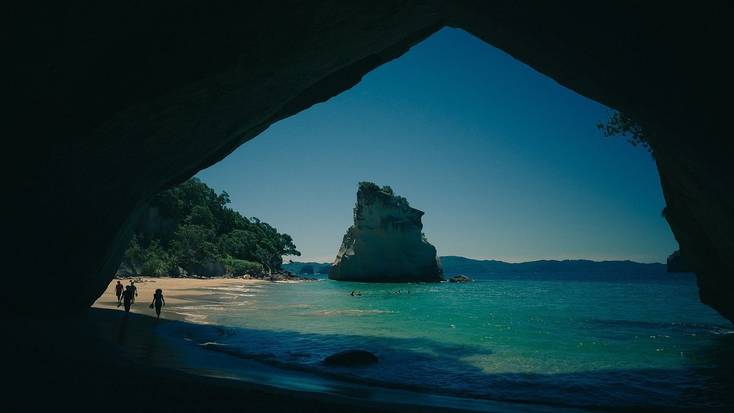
point(114, 101)
point(666, 66)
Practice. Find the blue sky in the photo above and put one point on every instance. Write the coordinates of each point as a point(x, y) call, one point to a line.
point(506, 163)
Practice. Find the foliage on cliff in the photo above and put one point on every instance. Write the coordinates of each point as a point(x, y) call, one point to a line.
point(620, 124)
point(191, 228)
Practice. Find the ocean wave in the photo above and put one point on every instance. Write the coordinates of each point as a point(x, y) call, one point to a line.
point(508, 345)
point(348, 312)
point(443, 371)
point(675, 327)
point(610, 389)
point(201, 307)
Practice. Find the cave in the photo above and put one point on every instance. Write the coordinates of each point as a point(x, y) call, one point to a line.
point(113, 102)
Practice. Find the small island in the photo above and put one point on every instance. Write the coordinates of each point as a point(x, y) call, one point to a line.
point(386, 242)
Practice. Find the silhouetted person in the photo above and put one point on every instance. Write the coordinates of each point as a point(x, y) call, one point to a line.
point(127, 298)
point(134, 289)
point(158, 301)
point(118, 291)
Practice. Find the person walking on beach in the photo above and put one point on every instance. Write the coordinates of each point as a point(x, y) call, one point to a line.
point(118, 291)
point(158, 302)
point(134, 290)
point(127, 299)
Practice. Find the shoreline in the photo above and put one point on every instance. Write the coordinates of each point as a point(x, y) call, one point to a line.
point(186, 342)
point(175, 349)
point(155, 346)
point(181, 294)
point(106, 360)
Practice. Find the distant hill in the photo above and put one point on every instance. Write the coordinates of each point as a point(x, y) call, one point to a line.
point(454, 264)
point(459, 265)
point(303, 267)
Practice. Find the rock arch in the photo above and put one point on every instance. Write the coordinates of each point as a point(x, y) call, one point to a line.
point(113, 102)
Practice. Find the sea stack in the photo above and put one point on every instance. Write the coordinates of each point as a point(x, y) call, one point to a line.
point(386, 242)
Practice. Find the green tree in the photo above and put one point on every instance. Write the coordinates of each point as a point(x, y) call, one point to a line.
point(156, 260)
point(239, 244)
point(202, 216)
point(191, 226)
point(620, 124)
point(134, 255)
point(193, 246)
point(242, 267)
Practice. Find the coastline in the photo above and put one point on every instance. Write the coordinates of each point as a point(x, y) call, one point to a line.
point(180, 294)
point(71, 365)
point(164, 349)
point(170, 347)
point(186, 342)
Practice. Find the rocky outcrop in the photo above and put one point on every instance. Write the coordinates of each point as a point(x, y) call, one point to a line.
point(677, 262)
point(460, 278)
point(111, 103)
point(386, 242)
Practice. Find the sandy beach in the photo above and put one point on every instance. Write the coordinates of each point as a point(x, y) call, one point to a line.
point(172, 371)
point(181, 295)
point(132, 350)
point(259, 341)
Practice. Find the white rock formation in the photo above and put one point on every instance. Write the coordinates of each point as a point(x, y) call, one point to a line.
point(385, 244)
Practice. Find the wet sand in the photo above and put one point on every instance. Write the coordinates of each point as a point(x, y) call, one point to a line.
point(181, 294)
point(105, 361)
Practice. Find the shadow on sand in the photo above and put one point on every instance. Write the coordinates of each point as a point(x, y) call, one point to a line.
point(106, 361)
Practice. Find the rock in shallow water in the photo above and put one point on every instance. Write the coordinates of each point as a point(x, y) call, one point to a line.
point(386, 242)
point(460, 278)
point(351, 358)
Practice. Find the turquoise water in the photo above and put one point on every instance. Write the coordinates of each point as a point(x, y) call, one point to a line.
point(554, 339)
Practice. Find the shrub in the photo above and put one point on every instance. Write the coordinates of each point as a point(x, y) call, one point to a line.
point(241, 267)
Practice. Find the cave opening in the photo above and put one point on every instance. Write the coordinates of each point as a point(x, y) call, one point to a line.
point(473, 133)
point(113, 102)
point(507, 165)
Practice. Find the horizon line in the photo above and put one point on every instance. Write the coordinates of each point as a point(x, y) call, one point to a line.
point(319, 260)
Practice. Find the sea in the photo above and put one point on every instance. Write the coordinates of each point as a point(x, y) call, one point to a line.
point(564, 340)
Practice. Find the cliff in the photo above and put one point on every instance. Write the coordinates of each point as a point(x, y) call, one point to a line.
point(386, 242)
point(677, 262)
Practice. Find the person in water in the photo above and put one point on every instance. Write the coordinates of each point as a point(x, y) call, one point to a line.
point(158, 301)
point(134, 290)
point(127, 298)
point(118, 291)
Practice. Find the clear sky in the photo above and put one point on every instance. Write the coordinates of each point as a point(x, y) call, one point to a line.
point(506, 163)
